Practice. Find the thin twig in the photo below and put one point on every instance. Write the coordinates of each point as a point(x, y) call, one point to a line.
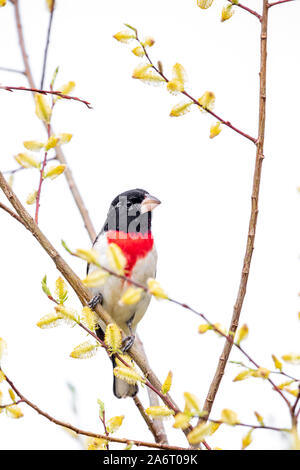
point(253, 217)
point(87, 433)
point(196, 102)
point(47, 44)
point(15, 170)
point(253, 426)
point(147, 419)
point(246, 9)
point(45, 92)
point(278, 3)
point(7, 69)
point(10, 212)
point(38, 196)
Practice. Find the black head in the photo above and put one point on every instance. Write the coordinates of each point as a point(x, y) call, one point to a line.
point(131, 212)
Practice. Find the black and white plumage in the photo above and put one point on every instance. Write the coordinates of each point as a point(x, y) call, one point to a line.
point(128, 225)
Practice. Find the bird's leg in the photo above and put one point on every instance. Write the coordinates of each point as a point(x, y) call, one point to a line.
point(97, 299)
point(129, 340)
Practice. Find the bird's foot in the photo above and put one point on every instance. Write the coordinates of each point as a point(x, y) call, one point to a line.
point(97, 299)
point(127, 343)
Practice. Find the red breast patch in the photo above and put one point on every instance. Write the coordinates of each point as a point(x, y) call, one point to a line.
point(133, 245)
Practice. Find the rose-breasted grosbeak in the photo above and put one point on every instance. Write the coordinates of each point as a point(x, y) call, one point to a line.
point(128, 225)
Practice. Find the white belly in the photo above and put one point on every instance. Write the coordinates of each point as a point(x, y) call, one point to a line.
point(114, 288)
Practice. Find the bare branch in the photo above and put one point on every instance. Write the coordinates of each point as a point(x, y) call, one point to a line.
point(87, 433)
point(47, 44)
point(7, 69)
point(46, 92)
point(253, 216)
point(246, 9)
point(278, 3)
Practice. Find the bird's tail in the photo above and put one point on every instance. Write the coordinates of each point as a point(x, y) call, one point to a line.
point(121, 388)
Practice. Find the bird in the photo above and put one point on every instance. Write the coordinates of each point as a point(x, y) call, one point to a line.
point(128, 225)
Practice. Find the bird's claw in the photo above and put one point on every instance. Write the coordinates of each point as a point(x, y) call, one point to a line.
point(97, 299)
point(127, 343)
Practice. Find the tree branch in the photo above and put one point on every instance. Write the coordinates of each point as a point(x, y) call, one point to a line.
point(196, 102)
point(246, 9)
point(253, 216)
point(278, 3)
point(47, 44)
point(45, 92)
point(87, 433)
point(7, 69)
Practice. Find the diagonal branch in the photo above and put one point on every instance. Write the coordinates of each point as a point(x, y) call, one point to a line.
point(253, 216)
point(196, 102)
point(246, 9)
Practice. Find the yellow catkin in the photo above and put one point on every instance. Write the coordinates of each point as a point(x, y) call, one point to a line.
point(116, 258)
point(181, 108)
point(42, 108)
point(159, 411)
point(165, 388)
point(199, 433)
point(113, 337)
point(155, 289)
point(113, 424)
point(84, 350)
point(181, 421)
point(131, 296)
point(229, 417)
point(128, 375)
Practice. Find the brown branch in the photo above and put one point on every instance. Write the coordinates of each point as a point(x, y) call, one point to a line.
point(246, 9)
point(157, 428)
point(87, 433)
point(253, 217)
point(278, 3)
point(10, 212)
point(47, 44)
point(60, 155)
point(7, 69)
point(252, 426)
point(45, 92)
point(147, 419)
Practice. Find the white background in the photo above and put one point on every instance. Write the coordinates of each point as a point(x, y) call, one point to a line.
point(128, 140)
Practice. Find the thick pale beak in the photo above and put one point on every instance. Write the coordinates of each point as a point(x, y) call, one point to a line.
point(149, 203)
